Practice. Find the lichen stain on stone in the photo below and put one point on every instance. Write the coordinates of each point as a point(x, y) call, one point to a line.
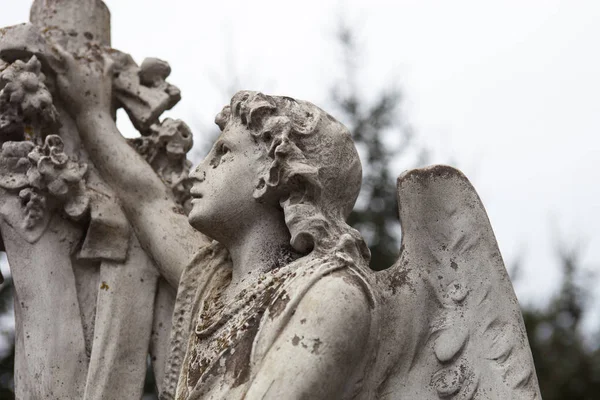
point(178, 210)
point(279, 305)
point(195, 369)
point(295, 340)
point(398, 279)
point(424, 176)
point(239, 359)
point(104, 286)
point(316, 344)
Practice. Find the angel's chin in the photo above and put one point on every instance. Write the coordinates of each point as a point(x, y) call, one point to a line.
point(196, 217)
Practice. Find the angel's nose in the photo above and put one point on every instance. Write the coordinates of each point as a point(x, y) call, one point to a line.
point(198, 173)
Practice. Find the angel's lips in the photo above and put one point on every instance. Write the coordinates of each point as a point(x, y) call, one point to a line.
point(195, 193)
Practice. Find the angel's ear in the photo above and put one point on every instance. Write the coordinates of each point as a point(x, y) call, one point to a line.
point(452, 323)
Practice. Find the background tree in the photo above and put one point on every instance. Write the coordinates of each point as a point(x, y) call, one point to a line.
point(7, 334)
point(373, 124)
point(567, 365)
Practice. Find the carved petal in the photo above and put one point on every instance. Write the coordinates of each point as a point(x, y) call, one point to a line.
point(58, 187)
point(13, 181)
point(35, 154)
point(54, 142)
point(46, 167)
point(35, 178)
point(58, 157)
point(17, 96)
point(73, 172)
point(76, 206)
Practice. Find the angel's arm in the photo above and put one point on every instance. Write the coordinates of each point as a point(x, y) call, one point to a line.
point(319, 353)
point(85, 86)
point(162, 229)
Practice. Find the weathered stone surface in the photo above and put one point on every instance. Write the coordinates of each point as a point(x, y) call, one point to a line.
point(21, 41)
point(54, 201)
point(143, 91)
point(73, 23)
point(165, 147)
point(50, 345)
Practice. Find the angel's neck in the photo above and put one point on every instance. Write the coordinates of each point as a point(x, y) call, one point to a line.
point(258, 249)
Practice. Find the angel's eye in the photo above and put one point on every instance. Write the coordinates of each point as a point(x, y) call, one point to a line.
point(221, 150)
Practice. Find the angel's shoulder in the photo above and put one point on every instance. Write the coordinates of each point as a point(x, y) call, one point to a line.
point(335, 302)
point(342, 283)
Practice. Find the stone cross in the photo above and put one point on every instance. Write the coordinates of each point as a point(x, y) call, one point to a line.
point(89, 301)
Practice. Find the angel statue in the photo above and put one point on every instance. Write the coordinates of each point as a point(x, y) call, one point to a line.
point(280, 302)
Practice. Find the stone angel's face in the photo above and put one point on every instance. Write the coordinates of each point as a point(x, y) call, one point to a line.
point(224, 182)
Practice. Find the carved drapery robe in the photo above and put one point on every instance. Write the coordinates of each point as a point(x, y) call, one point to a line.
point(217, 348)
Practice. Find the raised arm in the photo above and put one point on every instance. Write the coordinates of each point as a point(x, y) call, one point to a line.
point(161, 228)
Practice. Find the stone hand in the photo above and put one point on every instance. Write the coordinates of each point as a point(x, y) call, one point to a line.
point(84, 80)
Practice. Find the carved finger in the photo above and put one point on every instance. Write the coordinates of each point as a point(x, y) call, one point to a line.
point(60, 60)
point(109, 65)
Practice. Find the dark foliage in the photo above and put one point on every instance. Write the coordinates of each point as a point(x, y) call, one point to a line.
point(567, 366)
point(7, 361)
point(375, 215)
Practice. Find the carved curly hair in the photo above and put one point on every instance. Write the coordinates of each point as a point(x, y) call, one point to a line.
point(315, 173)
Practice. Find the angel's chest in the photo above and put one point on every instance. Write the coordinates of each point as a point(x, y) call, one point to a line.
point(224, 351)
point(220, 350)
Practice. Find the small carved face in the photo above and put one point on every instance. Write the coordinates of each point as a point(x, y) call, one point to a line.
point(224, 182)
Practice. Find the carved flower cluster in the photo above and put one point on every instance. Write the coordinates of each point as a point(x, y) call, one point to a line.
point(171, 137)
point(44, 172)
point(24, 97)
point(52, 170)
point(165, 149)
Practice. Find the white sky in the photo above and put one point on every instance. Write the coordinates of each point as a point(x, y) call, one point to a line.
point(508, 89)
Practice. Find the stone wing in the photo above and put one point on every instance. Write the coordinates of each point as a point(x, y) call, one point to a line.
point(451, 326)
